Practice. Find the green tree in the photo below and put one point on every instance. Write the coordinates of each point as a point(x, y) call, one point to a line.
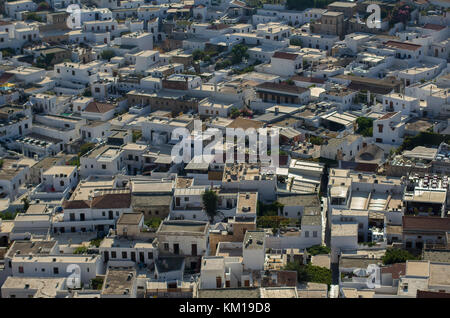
point(43, 6)
point(198, 55)
point(26, 203)
point(153, 222)
point(45, 61)
point(271, 209)
point(396, 255)
point(8, 215)
point(272, 221)
point(32, 16)
point(87, 93)
point(210, 200)
point(137, 134)
point(318, 249)
point(290, 82)
point(238, 53)
point(295, 41)
point(81, 250)
point(107, 54)
point(365, 126)
point(84, 148)
point(97, 283)
point(8, 52)
point(310, 273)
point(234, 113)
point(316, 140)
point(96, 242)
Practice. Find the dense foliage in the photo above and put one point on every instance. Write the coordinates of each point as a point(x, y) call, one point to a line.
point(365, 126)
point(310, 273)
point(107, 54)
point(318, 249)
point(210, 200)
point(396, 255)
point(153, 222)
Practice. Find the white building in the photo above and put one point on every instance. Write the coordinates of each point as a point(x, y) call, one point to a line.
point(58, 178)
point(88, 267)
point(254, 250)
point(395, 102)
point(389, 129)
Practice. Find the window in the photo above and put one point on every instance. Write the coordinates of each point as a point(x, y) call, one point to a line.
point(21, 269)
point(306, 233)
point(124, 255)
point(166, 246)
point(103, 167)
point(113, 254)
point(150, 255)
point(314, 233)
point(55, 270)
point(380, 128)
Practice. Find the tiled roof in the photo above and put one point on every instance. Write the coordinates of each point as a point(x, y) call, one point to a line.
point(112, 201)
point(432, 294)
point(426, 223)
point(396, 270)
point(96, 107)
point(105, 201)
point(284, 55)
point(76, 204)
point(403, 45)
point(387, 116)
point(435, 27)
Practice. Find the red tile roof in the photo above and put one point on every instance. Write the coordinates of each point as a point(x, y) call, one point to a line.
point(106, 201)
point(403, 45)
point(435, 27)
point(96, 107)
point(112, 201)
point(432, 294)
point(285, 56)
point(4, 78)
point(426, 223)
point(396, 270)
point(76, 204)
point(387, 116)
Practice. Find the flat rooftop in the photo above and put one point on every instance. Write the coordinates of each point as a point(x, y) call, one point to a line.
point(178, 227)
point(119, 281)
